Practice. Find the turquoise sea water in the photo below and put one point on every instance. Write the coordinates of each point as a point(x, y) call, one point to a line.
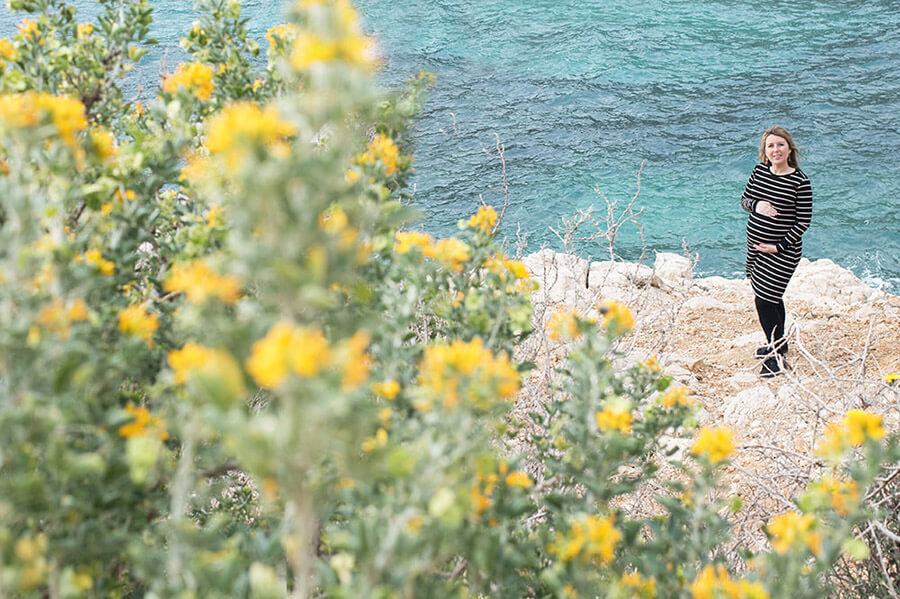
point(582, 93)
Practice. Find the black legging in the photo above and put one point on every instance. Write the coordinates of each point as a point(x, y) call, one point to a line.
point(771, 317)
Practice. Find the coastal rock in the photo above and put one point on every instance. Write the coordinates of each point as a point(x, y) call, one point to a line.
point(671, 271)
point(826, 283)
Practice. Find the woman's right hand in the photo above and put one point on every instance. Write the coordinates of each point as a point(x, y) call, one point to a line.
point(766, 209)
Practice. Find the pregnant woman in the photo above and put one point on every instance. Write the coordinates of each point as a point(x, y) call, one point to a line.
point(779, 200)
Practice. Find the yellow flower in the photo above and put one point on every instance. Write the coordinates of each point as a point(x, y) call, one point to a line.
point(892, 378)
point(484, 220)
point(310, 49)
point(381, 149)
point(214, 364)
point(29, 108)
point(198, 282)
point(310, 353)
point(78, 310)
point(284, 349)
point(616, 316)
point(481, 500)
point(677, 396)
point(104, 142)
point(518, 269)
point(7, 50)
point(379, 440)
point(518, 479)
point(94, 258)
point(844, 496)
point(234, 131)
point(853, 429)
point(195, 77)
point(386, 389)
point(119, 197)
point(356, 362)
point(563, 324)
point(714, 582)
point(351, 176)
point(592, 537)
point(283, 33)
point(638, 586)
point(790, 529)
point(83, 30)
point(611, 419)
point(143, 423)
point(652, 364)
point(406, 240)
point(451, 252)
point(862, 425)
point(135, 320)
point(464, 371)
point(28, 28)
point(715, 443)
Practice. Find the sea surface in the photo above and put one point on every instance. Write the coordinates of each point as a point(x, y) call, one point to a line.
point(587, 95)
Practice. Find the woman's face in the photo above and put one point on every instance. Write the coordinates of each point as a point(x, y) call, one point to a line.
point(777, 150)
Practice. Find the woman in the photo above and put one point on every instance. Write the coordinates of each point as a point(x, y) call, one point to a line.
point(779, 200)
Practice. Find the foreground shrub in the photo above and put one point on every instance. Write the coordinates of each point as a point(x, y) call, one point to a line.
point(228, 370)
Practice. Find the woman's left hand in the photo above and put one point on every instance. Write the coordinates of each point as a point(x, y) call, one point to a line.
point(766, 248)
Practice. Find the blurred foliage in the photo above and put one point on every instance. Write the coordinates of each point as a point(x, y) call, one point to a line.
point(230, 368)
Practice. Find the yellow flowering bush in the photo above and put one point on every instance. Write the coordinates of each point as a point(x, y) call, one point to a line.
point(231, 367)
point(195, 77)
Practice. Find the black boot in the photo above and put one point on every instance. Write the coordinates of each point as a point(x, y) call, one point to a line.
point(772, 366)
point(765, 351)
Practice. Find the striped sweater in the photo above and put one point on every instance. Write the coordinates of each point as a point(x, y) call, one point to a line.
point(791, 196)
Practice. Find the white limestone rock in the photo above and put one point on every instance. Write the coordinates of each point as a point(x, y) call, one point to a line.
point(672, 271)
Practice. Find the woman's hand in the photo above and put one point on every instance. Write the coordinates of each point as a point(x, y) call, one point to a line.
point(766, 209)
point(766, 248)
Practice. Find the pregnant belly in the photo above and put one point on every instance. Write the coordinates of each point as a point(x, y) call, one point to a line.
point(762, 229)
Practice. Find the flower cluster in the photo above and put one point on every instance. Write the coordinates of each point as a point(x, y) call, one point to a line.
point(199, 283)
point(195, 77)
point(285, 349)
point(450, 252)
point(211, 363)
point(842, 496)
point(501, 265)
point(714, 582)
point(94, 258)
point(617, 317)
point(381, 149)
point(637, 586)
point(615, 419)
point(717, 444)
point(853, 429)
point(143, 423)
point(28, 109)
point(57, 318)
point(593, 538)
point(483, 220)
point(677, 396)
point(386, 389)
point(7, 52)
point(135, 320)
point(790, 529)
point(283, 33)
point(464, 371)
point(563, 324)
point(345, 43)
point(237, 128)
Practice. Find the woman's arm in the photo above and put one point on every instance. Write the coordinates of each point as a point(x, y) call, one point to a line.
point(748, 202)
point(804, 215)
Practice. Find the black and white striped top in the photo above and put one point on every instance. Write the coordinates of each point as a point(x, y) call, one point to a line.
point(791, 196)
